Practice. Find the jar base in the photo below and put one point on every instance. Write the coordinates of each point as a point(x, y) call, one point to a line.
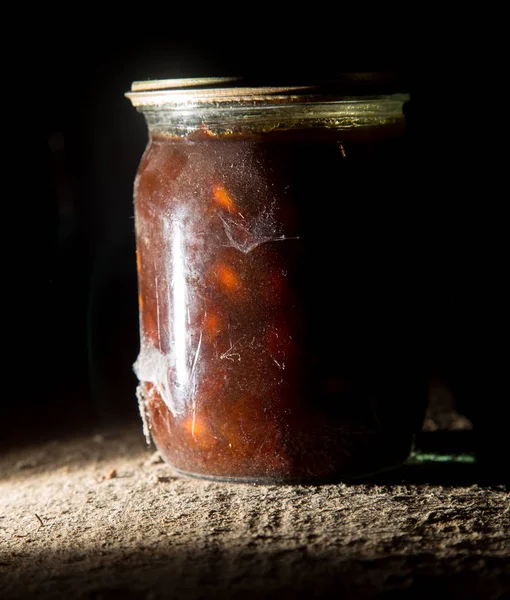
point(299, 480)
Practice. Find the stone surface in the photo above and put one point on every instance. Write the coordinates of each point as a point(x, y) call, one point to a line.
point(101, 517)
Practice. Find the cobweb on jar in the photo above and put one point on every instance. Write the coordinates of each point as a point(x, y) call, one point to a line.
point(247, 234)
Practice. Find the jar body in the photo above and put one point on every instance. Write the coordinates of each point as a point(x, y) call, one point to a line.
point(278, 303)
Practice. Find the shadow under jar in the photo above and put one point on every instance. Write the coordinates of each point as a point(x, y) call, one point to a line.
point(279, 282)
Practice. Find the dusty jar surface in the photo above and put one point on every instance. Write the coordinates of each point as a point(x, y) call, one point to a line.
point(278, 291)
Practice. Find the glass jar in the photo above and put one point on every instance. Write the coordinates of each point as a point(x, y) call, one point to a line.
point(279, 290)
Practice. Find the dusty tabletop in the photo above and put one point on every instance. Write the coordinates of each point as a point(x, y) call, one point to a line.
point(101, 516)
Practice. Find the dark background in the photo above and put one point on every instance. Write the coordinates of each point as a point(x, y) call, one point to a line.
point(72, 295)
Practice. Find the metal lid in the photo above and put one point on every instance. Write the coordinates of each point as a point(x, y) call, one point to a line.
point(242, 89)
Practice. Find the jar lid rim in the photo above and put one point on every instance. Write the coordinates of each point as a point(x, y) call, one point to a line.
point(181, 83)
point(240, 89)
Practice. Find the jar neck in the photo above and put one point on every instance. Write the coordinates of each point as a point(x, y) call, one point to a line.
point(277, 114)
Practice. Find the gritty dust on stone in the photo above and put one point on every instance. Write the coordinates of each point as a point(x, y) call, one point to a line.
point(148, 532)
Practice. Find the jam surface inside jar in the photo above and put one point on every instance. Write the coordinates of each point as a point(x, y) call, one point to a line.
point(278, 294)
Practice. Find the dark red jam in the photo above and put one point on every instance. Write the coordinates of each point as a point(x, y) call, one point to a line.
point(278, 301)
